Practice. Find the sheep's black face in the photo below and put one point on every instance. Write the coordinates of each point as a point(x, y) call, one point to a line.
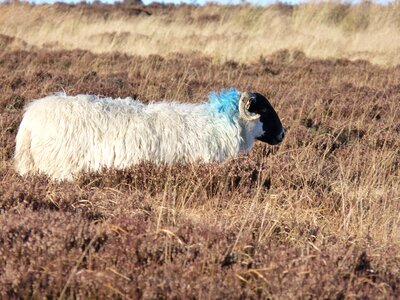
point(272, 126)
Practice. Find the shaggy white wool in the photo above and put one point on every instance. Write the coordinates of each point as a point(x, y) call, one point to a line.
point(62, 135)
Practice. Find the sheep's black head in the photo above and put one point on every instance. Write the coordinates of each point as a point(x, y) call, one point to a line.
point(254, 106)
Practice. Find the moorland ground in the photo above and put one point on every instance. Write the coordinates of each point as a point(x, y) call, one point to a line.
point(315, 217)
point(242, 33)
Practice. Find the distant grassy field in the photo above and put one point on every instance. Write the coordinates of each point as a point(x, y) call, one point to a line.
point(315, 217)
point(243, 33)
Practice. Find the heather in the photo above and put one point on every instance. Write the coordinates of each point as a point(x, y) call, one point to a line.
point(314, 217)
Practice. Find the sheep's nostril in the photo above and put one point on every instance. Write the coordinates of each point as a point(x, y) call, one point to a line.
point(282, 134)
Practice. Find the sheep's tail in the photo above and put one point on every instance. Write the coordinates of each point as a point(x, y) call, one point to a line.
point(23, 160)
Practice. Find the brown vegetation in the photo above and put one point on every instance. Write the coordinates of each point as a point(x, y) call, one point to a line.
point(315, 217)
point(241, 33)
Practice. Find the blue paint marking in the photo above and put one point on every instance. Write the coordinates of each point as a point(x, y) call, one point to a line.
point(224, 102)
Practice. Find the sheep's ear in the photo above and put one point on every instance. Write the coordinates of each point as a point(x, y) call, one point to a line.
point(245, 102)
point(259, 104)
point(251, 102)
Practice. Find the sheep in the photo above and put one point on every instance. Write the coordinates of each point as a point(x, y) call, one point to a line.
point(62, 135)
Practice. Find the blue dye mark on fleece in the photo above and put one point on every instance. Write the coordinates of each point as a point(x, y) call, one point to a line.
point(225, 102)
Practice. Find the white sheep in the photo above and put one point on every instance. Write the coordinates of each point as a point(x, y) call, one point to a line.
point(63, 135)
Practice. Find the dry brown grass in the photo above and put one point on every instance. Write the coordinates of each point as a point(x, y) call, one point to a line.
point(317, 216)
point(243, 33)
